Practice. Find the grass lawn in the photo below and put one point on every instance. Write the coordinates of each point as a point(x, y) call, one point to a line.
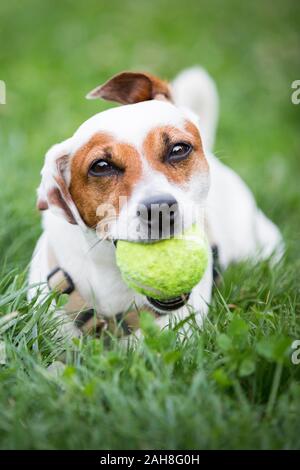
point(232, 385)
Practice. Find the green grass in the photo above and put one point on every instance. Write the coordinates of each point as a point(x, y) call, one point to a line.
point(233, 385)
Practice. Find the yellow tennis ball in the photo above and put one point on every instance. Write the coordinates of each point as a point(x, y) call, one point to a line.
point(164, 269)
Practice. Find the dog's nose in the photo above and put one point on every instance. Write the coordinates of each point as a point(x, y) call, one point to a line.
point(159, 214)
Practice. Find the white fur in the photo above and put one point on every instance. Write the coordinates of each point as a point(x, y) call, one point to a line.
point(195, 90)
point(129, 123)
point(235, 223)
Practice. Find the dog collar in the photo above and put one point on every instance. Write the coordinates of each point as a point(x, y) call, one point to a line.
point(88, 320)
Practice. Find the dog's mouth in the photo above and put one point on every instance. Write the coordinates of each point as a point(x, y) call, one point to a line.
point(140, 240)
point(145, 241)
point(169, 304)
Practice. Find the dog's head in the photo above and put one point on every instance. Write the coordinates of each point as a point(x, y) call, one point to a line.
point(134, 172)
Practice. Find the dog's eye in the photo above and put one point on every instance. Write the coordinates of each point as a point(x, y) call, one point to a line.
point(103, 168)
point(179, 152)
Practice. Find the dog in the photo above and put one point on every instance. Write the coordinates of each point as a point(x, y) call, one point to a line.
point(155, 149)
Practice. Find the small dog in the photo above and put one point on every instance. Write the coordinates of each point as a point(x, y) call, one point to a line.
point(155, 149)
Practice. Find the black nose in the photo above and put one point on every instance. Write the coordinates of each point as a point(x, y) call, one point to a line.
point(159, 214)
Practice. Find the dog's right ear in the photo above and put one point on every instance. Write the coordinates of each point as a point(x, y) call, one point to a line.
point(132, 87)
point(53, 192)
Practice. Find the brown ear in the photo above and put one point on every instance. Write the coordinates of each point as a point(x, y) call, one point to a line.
point(132, 87)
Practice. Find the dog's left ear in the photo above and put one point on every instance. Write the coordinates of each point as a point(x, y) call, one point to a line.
point(53, 192)
point(132, 87)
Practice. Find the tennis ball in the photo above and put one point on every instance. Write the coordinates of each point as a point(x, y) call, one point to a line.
point(164, 269)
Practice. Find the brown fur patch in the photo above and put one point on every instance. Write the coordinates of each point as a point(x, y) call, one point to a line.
point(132, 87)
point(159, 141)
point(89, 192)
